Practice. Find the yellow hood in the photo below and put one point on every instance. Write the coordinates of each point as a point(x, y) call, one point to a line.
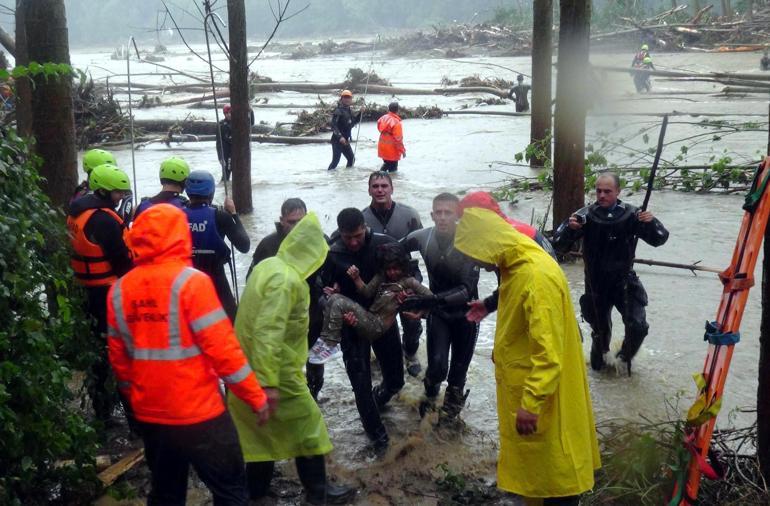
point(305, 248)
point(484, 236)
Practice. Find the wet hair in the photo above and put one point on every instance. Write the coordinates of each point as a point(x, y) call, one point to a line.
point(446, 197)
point(350, 219)
point(291, 205)
point(615, 178)
point(392, 254)
point(393, 107)
point(380, 175)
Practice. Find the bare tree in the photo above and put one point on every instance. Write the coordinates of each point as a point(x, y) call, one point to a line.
point(570, 113)
point(240, 154)
point(542, 28)
point(52, 120)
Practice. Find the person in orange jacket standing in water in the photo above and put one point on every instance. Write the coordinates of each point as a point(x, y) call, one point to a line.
point(391, 145)
point(170, 341)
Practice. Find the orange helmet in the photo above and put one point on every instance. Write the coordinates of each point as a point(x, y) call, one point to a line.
point(346, 93)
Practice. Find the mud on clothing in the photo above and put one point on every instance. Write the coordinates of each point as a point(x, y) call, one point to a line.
point(609, 241)
point(209, 226)
point(448, 271)
point(398, 222)
point(356, 352)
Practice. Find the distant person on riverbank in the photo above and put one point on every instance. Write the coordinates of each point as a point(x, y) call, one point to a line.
point(342, 123)
point(764, 63)
point(519, 94)
point(639, 57)
point(225, 140)
point(610, 229)
point(391, 145)
point(292, 211)
point(548, 446)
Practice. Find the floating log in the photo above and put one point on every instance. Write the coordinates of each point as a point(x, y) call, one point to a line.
point(183, 138)
point(189, 127)
point(375, 89)
point(676, 73)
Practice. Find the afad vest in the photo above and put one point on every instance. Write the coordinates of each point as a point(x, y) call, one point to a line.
point(88, 261)
point(209, 248)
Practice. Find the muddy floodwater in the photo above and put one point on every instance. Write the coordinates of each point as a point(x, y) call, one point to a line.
point(459, 153)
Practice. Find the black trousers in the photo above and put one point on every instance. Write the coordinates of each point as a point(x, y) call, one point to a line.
point(339, 150)
point(314, 373)
point(443, 333)
point(211, 447)
point(389, 166)
point(224, 292)
point(628, 296)
point(356, 353)
point(100, 389)
point(411, 330)
point(226, 169)
point(311, 471)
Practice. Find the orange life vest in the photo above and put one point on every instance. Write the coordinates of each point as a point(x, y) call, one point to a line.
point(88, 260)
point(391, 145)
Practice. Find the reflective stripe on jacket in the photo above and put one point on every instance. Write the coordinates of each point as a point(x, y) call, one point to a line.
point(88, 261)
point(169, 338)
point(391, 145)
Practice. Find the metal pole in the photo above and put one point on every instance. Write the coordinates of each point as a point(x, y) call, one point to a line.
point(131, 113)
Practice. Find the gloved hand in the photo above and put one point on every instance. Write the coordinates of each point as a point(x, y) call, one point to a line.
point(420, 303)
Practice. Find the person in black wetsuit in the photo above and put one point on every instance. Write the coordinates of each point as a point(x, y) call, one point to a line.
point(209, 225)
point(357, 245)
point(173, 173)
point(455, 277)
point(609, 229)
point(519, 94)
point(342, 123)
point(385, 216)
point(225, 140)
point(292, 211)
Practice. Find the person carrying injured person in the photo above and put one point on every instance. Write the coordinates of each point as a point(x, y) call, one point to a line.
point(387, 290)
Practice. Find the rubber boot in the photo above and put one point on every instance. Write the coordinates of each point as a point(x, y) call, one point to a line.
point(599, 346)
point(381, 396)
point(427, 404)
point(318, 490)
point(454, 401)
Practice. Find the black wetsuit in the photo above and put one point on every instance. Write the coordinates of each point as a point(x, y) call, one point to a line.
point(224, 148)
point(268, 247)
point(764, 63)
point(609, 240)
point(449, 272)
point(398, 222)
point(104, 230)
point(519, 94)
point(342, 123)
point(356, 351)
point(163, 197)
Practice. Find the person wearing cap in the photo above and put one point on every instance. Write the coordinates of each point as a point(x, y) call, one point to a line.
point(92, 159)
point(173, 173)
point(519, 94)
point(225, 140)
point(209, 225)
point(99, 257)
point(342, 123)
point(391, 145)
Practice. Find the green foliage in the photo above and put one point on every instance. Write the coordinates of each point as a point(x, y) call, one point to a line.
point(43, 338)
point(35, 69)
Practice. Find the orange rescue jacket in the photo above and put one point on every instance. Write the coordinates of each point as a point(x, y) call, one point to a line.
point(169, 338)
point(391, 145)
point(88, 260)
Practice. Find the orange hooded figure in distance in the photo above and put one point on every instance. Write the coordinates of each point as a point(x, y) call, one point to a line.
point(391, 145)
point(169, 338)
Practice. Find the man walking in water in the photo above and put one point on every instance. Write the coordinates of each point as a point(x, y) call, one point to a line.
point(519, 94)
point(610, 229)
point(342, 124)
point(384, 216)
point(391, 145)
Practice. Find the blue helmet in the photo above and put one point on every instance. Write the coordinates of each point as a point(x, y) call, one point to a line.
point(200, 183)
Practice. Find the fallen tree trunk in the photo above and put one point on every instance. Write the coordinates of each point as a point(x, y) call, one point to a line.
point(184, 138)
point(487, 113)
point(695, 266)
point(375, 89)
point(188, 127)
point(676, 73)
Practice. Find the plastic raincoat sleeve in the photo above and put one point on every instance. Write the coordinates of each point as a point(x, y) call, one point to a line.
point(214, 334)
point(546, 348)
point(398, 136)
point(116, 348)
point(264, 350)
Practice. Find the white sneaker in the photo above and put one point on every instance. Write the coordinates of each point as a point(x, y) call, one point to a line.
point(321, 352)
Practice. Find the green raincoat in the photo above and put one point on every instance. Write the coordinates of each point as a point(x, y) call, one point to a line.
point(272, 326)
point(539, 364)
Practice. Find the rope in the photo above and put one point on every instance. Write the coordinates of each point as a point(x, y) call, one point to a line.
point(131, 113)
point(366, 89)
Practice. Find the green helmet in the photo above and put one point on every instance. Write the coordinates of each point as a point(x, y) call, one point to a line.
point(174, 169)
point(108, 177)
point(95, 157)
point(645, 47)
point(647, 60)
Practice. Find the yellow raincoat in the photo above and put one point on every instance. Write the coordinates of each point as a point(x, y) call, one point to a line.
point(539, 364)
point(272, 326)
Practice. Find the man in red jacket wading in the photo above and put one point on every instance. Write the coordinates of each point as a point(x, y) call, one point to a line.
point(391, 145)
point(169, 342)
